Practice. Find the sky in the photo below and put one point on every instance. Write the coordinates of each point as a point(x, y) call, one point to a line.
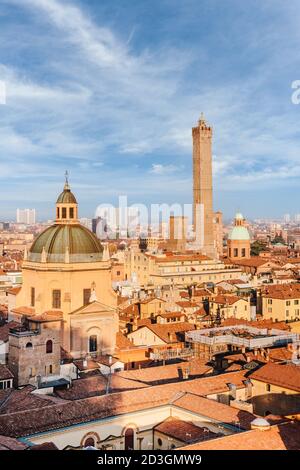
point(110, 89)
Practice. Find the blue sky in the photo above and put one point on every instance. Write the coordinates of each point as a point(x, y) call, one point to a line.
point(110, 89)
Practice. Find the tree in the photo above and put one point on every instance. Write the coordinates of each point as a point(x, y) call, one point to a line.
point(278, 239)
point(257, 247)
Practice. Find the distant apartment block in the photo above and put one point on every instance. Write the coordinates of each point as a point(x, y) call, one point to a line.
point(26, 216)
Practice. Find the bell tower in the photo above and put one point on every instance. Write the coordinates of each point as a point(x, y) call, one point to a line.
point(202, 187)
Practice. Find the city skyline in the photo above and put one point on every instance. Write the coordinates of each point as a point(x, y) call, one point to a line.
point(83, 105)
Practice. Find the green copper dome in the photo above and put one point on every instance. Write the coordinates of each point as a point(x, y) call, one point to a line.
point(239, 233)
point(77, 241)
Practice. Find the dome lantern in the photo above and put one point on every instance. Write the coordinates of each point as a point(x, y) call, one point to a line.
point(66, 205)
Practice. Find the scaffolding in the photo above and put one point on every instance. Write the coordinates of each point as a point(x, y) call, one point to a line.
point(262, 338)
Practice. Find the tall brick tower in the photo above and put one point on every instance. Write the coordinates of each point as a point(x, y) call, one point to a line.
point(202, 188)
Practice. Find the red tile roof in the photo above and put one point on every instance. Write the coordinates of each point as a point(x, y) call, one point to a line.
point(54, 416)
point(283, 375)
point(12, 400)
point(184, 431)
point(282, 291)
point(282, 437)
point(122, 342)
point(215, 410)
point(8, 443)
point(44, 446)
point(168, 332)
point(227, 299)
point(4, 330)
point(5, 373)
point(96, 386)
point(168, 373)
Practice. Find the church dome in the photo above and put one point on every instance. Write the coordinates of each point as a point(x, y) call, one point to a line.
point(60, 241)
point(239, 233)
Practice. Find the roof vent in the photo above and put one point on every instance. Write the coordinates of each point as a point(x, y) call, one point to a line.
point(261, 424)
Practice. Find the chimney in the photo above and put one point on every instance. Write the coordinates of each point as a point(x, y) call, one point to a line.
point(39, 380)
point(232, 390)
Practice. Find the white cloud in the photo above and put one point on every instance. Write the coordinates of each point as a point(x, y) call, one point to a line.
point(110, 104)
point(159, 169)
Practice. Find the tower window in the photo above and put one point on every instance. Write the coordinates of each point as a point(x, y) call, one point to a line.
point(56, 299)
point(71, 212)
point(28, 345)
point(64, 213)
point(86, 296)
point(243, 252)
point(32, 296)
point(58, 213)
point(93, 343)
point(49, 346)
point(235, 252)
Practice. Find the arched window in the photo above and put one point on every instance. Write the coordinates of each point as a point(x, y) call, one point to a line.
point(129, 439)
point(49, 346)
point(28, 345)
point(93, 343)
point(89, 442)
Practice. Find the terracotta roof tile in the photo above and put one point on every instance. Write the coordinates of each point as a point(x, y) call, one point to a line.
point(184, 431)
point(227, 299)
point(282, 291)
point(96, 386)
point(122, 342)
point(4, 330)
point(12, 400)
point(282, 375)
point(215, 410)
point(5, 373)
point(168, 332)
point(8, 443)
point(44, 446)
point(282, 437)
point(55, 416)
point(168, 373)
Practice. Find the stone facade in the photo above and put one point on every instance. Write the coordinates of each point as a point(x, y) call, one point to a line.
point(34, 352)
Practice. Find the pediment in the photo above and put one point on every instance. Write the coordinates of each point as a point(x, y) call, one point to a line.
point(93, 307)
